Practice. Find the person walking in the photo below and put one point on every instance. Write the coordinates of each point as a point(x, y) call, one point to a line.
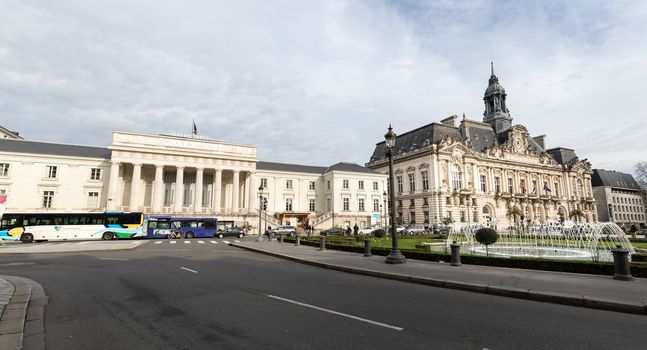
point(355, 229)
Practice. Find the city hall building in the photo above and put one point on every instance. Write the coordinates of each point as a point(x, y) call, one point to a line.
point(185, 176)
point(488, 171)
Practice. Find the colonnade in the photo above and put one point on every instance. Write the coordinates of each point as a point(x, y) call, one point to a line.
point(230, 197)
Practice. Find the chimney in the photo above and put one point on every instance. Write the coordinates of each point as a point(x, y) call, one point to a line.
point(541, 141)
point(451, 121)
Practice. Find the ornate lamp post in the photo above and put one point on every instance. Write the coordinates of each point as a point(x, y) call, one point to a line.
point(395, 256)
point(260, 211)
point(386, 222)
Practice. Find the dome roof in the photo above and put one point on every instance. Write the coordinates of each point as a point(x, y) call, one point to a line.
point(494, 87)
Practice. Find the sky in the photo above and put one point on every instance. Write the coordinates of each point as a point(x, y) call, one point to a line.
point(317, 82)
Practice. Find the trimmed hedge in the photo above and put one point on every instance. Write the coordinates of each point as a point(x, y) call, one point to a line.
point(638, 268)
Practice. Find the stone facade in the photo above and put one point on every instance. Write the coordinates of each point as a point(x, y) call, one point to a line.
point(491, 172)
point(619, 198)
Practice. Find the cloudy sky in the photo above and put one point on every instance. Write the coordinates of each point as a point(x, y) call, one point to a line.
point(317, 82)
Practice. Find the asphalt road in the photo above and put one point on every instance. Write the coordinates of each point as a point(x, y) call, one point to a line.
point(212, 296)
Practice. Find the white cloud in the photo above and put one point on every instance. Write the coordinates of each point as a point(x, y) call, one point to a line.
point(316, 82)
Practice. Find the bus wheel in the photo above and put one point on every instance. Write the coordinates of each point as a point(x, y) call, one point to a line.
point(27, 238)
point(190, 235)
point(107, 236)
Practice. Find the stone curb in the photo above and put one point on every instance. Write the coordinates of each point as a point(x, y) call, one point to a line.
point(504, 291)
point(22, 323)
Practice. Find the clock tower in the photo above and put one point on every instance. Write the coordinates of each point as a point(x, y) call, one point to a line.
point(496, 110)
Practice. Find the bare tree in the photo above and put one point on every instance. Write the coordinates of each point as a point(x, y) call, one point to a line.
point(641, 174)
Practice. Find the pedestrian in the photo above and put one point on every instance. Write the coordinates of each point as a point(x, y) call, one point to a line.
point(633, 230)
point(348, 230)
point(355, 229)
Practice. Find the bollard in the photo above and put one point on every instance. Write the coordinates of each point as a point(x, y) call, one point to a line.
point(281, 238)
point(456, 253)
point(298, 241)
point(621, 267)
point(322, 240)
point(367, 247)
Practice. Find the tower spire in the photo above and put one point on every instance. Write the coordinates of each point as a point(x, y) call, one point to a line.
point(492, 67)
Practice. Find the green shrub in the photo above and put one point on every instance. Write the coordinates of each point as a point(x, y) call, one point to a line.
point(486, 236)
point(379, 233)
point(639, 257)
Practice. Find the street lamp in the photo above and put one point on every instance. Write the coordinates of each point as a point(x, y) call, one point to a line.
point(260, 210)
point(394, 257)
point(386, 222)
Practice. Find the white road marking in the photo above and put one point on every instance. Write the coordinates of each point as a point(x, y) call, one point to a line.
point(134, 242)
point(184, 268)
point(114, 259)
point(237, 241)
point(214, 242)
point(336, 313)
point(187, 242)
point(172, 242)
point(226, 242)
point(201, 242)
point(79, 243)
point(158, 242)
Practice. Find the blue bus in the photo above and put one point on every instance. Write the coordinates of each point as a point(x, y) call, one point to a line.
point(162, 226)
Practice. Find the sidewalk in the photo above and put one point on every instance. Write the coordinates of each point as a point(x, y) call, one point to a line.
point(591, 291)
point(22, 307)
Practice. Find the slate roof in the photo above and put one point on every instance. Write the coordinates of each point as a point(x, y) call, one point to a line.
point(561, 155)
point(613, 179)
point(349, 167)
point(420, 137)
point(295, 168)
point(58, 149)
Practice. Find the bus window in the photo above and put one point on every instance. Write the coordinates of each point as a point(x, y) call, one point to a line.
point(111, 220)
point(152, 225)
point(176, 224)
point(209, 223)
point(163, 225)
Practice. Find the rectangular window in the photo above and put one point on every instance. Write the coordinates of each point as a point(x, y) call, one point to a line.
point(425, 180)
point(51, 172)
point(93, 200)
point(288, 204)
point(534, 186)
point(510, 185)
point(400, 185)
point(360, 184)
point(48, 198)
point(376, 186)
point(556, 189)
point(425, 217)
point(346, 204)
point(311, 185)
point(376, 205)
point(361, 204)
point(288, 184)
point(483, 188)
point(312, 204)
point(412, 215)
point(263, 182)
point(346, 184)
point(328, 184)
point(4, 169)
point(95, 174)
point(328, 206)
point(497, 184)
point(412, 182)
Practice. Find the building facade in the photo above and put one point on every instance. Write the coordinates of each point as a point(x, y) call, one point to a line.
point(619, 198)
point(183, 176)
point(488, 171)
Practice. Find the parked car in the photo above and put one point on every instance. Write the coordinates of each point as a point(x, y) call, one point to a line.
point(365, 230)
point(285, 230)
point(232, 232)
point(398, 229)
point(333, 231)
point(441, 229)
point(415, 230)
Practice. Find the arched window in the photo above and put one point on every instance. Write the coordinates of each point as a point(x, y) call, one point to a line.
point(579, 188)
point(457, 184)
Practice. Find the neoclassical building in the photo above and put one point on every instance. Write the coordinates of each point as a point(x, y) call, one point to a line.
point(485, 171)
point(185, 176)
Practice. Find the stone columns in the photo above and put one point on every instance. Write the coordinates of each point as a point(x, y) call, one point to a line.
point(179, 190)
point(112, 187)
point(235, 192)
point(476, 177)
point(158, 188)
point(134, 187)
point(249, 191)
point(217, 192)
point(197, 202)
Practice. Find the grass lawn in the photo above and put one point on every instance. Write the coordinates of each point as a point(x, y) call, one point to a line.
point(640, 245)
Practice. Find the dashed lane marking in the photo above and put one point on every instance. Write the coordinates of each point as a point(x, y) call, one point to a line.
point(79, 243)
point(158, 242)
point(201, 242)
point(114, 259)
point(214, 242)
point(336, 313)
point(172, 242)
point(237, 241)
point(187, 242)
point(226, 242)
point(186, 269)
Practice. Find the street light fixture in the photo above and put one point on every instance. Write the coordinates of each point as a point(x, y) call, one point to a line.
point(260, 211)
point(395, 256)
point(386, 222)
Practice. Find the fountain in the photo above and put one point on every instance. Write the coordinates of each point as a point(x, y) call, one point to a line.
point(585, 241)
